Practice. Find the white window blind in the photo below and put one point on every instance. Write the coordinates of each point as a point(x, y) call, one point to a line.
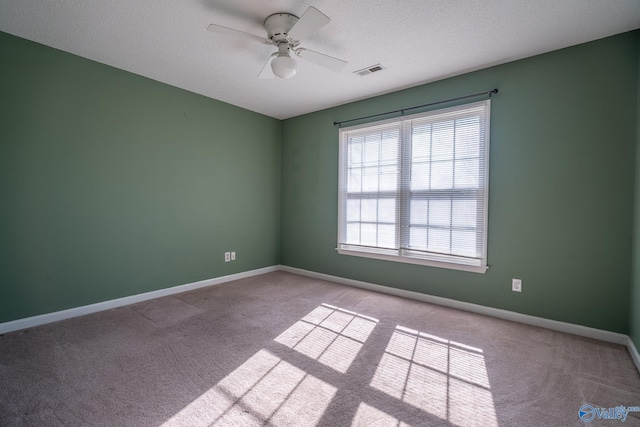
point(414, 189)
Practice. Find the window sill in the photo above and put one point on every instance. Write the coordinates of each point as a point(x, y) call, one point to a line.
point(411, 260)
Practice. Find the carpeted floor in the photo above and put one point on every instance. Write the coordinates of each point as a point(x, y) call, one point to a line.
point(281, 349)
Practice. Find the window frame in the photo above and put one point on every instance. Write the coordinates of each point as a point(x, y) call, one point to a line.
point(401, 254)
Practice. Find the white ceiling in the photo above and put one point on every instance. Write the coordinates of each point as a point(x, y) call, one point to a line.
point(418, 41)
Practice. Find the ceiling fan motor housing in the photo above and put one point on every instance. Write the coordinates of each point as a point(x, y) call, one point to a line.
point(278, 26)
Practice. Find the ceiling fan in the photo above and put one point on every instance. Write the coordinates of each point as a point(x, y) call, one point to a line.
point(285, 31)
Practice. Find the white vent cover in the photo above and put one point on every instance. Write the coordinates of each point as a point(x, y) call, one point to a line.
point(369, 70)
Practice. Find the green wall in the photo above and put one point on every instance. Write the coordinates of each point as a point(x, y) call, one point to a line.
point(634, 320)
point(112, 184)
point(563, 137)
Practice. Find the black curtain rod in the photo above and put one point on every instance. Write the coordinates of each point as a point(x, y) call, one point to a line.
point(489, 92)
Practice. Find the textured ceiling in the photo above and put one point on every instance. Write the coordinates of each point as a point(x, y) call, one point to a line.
point(418, 41)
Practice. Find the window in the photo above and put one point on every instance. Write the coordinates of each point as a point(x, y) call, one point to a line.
point(415, 189)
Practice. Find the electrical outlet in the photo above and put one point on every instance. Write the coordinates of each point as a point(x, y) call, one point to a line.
point(233, 256)
point(227, 256)
point(516, 285)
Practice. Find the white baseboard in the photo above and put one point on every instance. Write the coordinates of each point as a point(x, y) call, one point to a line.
point(633, 351)
point(42, 319)
point(555, 325)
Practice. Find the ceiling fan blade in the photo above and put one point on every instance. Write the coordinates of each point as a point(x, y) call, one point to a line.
point(237, 33)
point(267, 72)
point(326, 61)
point(310, 22)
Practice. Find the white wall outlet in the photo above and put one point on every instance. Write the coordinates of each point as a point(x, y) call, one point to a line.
point(516, 285)
point(227, 256)
point(233, 256)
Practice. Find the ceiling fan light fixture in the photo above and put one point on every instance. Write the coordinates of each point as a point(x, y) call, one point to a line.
point(284, 66)
point(286, 31)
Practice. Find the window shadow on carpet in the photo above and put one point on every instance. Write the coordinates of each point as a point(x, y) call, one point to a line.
point(319, 371)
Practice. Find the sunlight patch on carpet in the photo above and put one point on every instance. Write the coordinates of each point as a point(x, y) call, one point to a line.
point(331, 335)
point(263, 389)
point(442, 377)
point(369, 416)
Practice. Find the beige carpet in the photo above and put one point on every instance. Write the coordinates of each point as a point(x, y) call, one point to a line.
point(282, 349)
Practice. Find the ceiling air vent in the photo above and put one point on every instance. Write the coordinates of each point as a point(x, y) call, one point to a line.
point(369, 70)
